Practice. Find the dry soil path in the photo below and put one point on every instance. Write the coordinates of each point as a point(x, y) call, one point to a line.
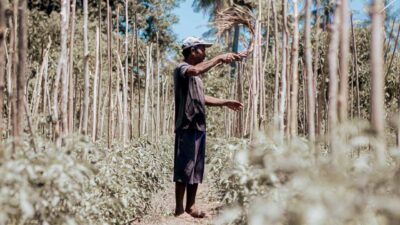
point(163, 204)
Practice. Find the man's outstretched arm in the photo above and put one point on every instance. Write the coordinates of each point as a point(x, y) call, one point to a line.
point(207, 65)
point(232, 104)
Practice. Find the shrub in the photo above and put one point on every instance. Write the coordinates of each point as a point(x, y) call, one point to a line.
point(80, 183)
point(294, 182)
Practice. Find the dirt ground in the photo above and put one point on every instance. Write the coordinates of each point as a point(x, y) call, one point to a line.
point(163, 204)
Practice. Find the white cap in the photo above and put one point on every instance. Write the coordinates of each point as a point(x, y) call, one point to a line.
point(194, 41)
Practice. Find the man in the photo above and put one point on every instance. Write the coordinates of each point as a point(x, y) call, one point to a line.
point(190, 120)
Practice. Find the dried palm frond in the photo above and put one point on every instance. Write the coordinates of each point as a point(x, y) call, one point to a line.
point(233, 16)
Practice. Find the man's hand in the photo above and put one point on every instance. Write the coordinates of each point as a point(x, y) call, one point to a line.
point(230, 57)
point(234, 105)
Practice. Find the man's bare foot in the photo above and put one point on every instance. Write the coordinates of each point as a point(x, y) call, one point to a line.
point(179, 212)
point(196, 213)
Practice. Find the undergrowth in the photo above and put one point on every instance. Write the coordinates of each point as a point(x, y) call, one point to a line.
point(81, 183)
point(272, 181)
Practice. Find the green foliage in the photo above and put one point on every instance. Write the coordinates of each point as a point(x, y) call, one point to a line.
point(81, 183)
point(291, 182)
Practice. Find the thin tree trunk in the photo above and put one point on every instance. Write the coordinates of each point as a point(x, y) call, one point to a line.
point(308, 61)
point(138, 77)
point(61, 74)
point(377, 81)
point(22, 50)
point(321, 91)
point(126, 76)
point(109, 59)
point(165, 105)
point(134, 48)
point(393, 53)
point(158, 92)
point(333, 79)
point(37, 95)
point(276, 88)
point(255, 82)
point(240, 99)
point(103, 112)
point(288, 84)
point(8, 52)
point(95, 82)
point(3, 4)
point(86, 68)
point(344, 61)
point(283, 76)
point(124, 101)
point(356, 68)
point(387, 41)
point(295, 72)
point(71, 91)
point(13, 80)
point(145, 114)
point(100, 82)
point(264, 69)
point(151, 102)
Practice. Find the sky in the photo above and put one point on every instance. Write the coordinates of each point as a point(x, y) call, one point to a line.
point(195, 24)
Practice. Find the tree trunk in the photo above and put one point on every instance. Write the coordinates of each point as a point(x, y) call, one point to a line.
point(37, 95)
point(134, 49)
point(387, 41)
point(71, 91)
point(276, 87)
point(356, 69)
point(333, 79)
point(22, 50)
point(109, 59)
point(377, 81)
point(99, 92)
point(146, 112)
point(158, 93)
point(13, 77)
point(138, 77)
point(2, 62)
point(344, 61)
point(396, 42)
point(295, 72)
point(321, 90)
point(310, 77)
point(95, 87)
point(264, 69)
point(61, 74)
point(86, 68)
point(126, 76)
point(283, 76)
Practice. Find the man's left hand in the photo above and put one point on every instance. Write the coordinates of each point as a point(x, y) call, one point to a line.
point(234, 105)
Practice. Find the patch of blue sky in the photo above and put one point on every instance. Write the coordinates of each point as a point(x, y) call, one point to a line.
point(193, 23)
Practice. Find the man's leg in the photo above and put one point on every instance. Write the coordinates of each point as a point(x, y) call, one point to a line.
point(191, 202)
point(179, 194)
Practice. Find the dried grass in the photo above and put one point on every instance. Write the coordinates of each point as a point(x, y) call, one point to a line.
point(235, 15)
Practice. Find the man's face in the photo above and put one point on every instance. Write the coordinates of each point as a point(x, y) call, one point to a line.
point(199, 53)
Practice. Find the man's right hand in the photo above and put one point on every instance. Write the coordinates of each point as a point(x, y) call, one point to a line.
point(230, 57)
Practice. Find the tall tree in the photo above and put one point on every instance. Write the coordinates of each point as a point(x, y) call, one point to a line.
point(284, 66)
point(64, 67)
point(310, 77)
point(71, 93)
point(377, 81)
point(276, 61)
point(22, 50)
point(295, 72)
point(344, 60)
point(333, 79)
point(109, 58)
point(3, 61)
point(86, 67)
